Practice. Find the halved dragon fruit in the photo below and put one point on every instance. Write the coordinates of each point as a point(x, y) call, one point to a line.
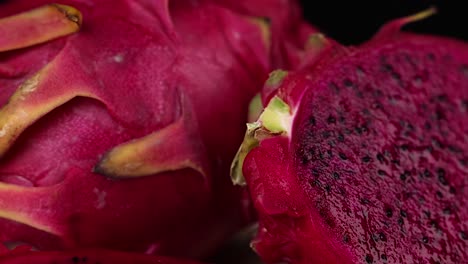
point(361, 156)
point(25, 255)
point(119, 120)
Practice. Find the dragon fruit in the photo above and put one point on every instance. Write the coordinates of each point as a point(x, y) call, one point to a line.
point(360, 156)
point(118, 124)
point(25, 255)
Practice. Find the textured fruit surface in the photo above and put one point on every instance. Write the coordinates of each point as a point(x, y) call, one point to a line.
point(372, 167)
point(118, 123)
point(21, 256)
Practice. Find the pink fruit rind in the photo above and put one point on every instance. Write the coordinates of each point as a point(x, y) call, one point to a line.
point(299, 160)
point(118, 135)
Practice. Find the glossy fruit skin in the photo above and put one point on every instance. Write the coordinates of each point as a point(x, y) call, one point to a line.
point(127, 124)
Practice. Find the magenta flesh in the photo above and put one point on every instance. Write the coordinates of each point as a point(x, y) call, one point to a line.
point(375, 169)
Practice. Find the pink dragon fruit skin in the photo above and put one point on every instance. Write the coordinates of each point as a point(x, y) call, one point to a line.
point(24, 255)
point(119, 119)
point(360, 156)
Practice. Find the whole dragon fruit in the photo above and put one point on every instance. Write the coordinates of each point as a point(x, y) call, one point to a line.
point(360, 156)
point(119, 120)
point(22, 255)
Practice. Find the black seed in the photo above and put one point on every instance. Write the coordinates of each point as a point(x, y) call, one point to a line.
point(403, 213)
point(342, 156)
point(424, 107)
point(447, 210)
point(375, 237)
point(396, 76)
point(315, 183)
point(380, 157)
point(425, 239)
point(340, 137)
point(331, 120)
point(442, 97)
point(443, 180)
point(366, 159)
point(439, 194)
point(404, 175)
point(84, 259)
point(463, 162)
point(75, 259)
point(439, 115)
point(377, 105)
point(463, 235)
point(434, 224)
point(382, 236)
point(347, 83)
point(369, 258)
point(342, 191)
point(387, 67)
point(400, 221)
point(437, 143)
point(455, 149)
point(378, 93)
point(404, 147)
point(383, 257)
point(452, 190)
point(312, 121)
point(365, 201)
point(358, 130)
point(336, 175)
point(341, 119)
point(427, 173)
point(427, 126)
point(430, 56)
point(407, 195)
point(396, 162)
point(388, 212)
point(326, 134)
point(427, 213)
point(381, 172)
point(464, 105)
point(327, 188)
point(315, 172)
point(346, 238)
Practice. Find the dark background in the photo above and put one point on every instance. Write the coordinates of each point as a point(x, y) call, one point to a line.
point(352, 22)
